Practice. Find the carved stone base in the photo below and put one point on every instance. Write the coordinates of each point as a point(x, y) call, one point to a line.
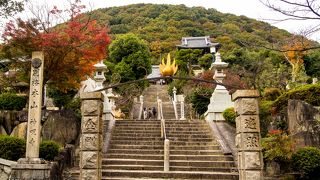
point(30, 169)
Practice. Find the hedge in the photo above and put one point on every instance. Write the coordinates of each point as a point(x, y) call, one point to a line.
point(307, 161)
point(13, 148)
point(10, 101)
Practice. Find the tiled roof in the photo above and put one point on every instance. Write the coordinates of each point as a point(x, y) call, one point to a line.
point(197, 42)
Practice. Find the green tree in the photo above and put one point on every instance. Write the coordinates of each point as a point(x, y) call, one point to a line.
point(185, 58)
point(131, 57)
point(205, 61)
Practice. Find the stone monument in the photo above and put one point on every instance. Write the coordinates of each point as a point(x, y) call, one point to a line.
point(220, 99)
point(32, 167)
point(91, 136)
point(250, 161)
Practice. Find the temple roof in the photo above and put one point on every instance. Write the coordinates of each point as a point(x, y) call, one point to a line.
point(197, 43)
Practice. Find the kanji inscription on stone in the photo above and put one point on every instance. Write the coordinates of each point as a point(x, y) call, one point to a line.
point(35, 103)
point(250, 123)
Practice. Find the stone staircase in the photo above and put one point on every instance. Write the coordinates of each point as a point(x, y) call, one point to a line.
point(136, 149)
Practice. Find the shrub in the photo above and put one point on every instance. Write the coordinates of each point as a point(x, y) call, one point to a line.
point(277, 146)
point(307, 161)
point(10, 101)
point(61, 98)
point(75, 106)
point(265, 111)
point(308, 93)
point(271, 94)
point(49, 150)
point(12, 148)
point(200, 99)
point(230, 115)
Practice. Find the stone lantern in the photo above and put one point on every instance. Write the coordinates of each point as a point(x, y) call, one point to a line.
point(99, 77)
point(220, 99)
point(219, 67)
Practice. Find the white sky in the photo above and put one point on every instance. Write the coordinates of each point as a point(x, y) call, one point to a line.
point(250, 8)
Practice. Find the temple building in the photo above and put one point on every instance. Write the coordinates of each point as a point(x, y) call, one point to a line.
point(202, 42)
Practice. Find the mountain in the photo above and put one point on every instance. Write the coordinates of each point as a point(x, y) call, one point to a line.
point(162, 26)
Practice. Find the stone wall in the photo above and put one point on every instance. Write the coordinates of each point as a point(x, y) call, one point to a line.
point(5, 168)
point(303, 123)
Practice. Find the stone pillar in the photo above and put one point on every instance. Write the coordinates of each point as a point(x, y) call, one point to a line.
point(250, 162)
point(166, 161)
point(174, 92)
point(32, 167)
point(182, 109)
point(91, 136)
point(141, 107)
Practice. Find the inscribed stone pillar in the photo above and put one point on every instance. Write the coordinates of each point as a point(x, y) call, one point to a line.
point(91, 136)
point(32, 167)
point(35, 99)
point(250, 162)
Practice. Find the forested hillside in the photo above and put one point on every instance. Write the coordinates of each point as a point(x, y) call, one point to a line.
point(164, 25)
point(243, 40)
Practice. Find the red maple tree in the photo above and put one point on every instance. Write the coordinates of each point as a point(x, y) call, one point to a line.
point(70, 49)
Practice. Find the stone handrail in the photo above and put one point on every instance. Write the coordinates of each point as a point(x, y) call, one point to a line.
point(166, 148)
point(163, 129)
point(160, 113)
point(140, 110)
point(175, 109)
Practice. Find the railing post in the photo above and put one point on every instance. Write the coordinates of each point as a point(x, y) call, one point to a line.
point(182, 109)
point(162, 128)
point(166, 165)
point(141, 107)
point(175, 109)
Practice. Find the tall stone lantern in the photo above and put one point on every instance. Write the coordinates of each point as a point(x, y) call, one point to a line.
point(99, 77)
point(220, 99)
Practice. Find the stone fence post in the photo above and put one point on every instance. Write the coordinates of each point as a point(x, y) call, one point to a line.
point(250, 162)
point(91, 136)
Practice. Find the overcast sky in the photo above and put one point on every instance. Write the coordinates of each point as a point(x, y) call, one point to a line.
point(250, 8)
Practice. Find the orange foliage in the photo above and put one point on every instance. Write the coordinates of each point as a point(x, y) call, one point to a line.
point(70, 51)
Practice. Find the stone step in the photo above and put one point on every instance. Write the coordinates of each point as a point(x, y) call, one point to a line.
point(189, 132)
point(133, 167)
point(169, 175)
point(160, 151)
point(136, 134)
point(203, 147)
point(126, 142)
point(201, 157)
point(210, 169)
point(189, 139)
point(160, 175)
point(137, 131)
point(195, 143)
point(179, 129)
point(135, 151)
point(200, 163)
point(122, 146)
point(133, 156)
point(116, 161)
point(136, 138)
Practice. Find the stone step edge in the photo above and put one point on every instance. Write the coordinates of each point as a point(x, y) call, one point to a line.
point(147, 160)
point(172, 172)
